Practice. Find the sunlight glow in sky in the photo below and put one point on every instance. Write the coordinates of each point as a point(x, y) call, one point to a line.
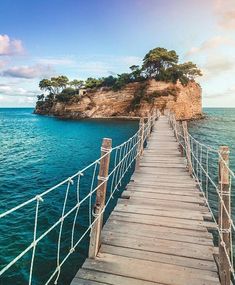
point(97, 38)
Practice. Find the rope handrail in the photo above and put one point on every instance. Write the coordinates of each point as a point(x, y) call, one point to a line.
point(199, 157)
point(38, 196)
point(124, 155)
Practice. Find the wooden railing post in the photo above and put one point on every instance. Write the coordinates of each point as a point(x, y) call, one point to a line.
point(149, 126)
point(153, 119)
point(187, 147)
point(224, 219)
point(158, 114)
point(174, 126)
point(181, 149)
point(100, 198)
point(141, 141)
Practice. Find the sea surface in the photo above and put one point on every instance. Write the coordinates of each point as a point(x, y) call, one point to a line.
point(37, 152)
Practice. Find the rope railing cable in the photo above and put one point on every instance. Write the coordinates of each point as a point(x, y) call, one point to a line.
point(124, 156)
point(200, 169)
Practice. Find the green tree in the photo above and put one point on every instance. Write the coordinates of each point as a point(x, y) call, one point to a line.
point(109, 81)
point(77, 84)
point(158, 59)
point(41, 97)
point(183, 72)
point(121, 81)
point(59, 83)
point(136, 74)
point(54, 85)
point(46, 85)
point(134, 67)
point(190, 70)
point(93, 82)
point(66, 94)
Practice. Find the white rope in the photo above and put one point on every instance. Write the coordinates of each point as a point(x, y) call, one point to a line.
point(77, 210)
point(34, 240)
point(61, 228)
point(125, 154)
point(198, 171)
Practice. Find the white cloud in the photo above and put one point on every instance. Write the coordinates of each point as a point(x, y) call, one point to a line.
point(17, 101)
point(130, 60)
point(56, 61)
point(28, 72)
point(10, 46)
point(211, 44)
point(12, 90)
point(217, 65)
point(106, 65)
point(228, 92)
point(225, 12)
point(227, 20)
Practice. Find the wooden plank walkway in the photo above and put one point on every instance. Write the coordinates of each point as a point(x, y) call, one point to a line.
point(159, 235)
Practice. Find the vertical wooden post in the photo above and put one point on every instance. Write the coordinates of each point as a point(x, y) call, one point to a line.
point(187, 147)
point(149, 126)
point(142, 136)
point(158, 114)
point(224, 220)
point(176, 131)
point(181, 149)
point(100, 198)
point(170, 119)
point(174, 126)
point(153, 119)
point(141, 141)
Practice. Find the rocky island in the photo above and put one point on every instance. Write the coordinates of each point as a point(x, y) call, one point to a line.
point(160, 83)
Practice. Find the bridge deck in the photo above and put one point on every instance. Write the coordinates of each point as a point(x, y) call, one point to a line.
point(159, 235)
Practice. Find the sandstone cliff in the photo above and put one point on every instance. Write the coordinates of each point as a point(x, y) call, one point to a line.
point(135, 100)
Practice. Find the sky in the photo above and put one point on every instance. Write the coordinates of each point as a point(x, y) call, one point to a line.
point(95, 38)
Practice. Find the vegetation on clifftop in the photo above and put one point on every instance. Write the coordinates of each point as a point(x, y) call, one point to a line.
point(159, 64)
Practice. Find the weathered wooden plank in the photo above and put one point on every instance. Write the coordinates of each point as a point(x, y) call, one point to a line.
point(167, 230)
point(169, 197)
point(160, 186)
point(158, 235)
point(156, 165)
point(152, 189)
point(109, 278)
point(164, 184)
point(146, 231)
point(160, 257)
point(166, 203)
point(189, 215)
point(79, 281)
point(146, 270)
point(159, 221)
point(172, 247)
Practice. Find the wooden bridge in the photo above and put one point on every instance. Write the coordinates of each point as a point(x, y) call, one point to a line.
point(158, 231)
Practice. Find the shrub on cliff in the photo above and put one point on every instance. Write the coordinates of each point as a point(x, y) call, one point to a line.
point(66, 94)
point(138, 97)
point(121, 81)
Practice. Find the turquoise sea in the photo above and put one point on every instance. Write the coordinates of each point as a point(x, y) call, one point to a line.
point(215, 130)
point(37, 152)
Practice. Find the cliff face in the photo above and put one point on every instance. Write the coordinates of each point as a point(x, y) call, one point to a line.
point(135, 100)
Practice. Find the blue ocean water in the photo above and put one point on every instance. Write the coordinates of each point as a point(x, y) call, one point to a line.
point(216, 129)
point(36, 152)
